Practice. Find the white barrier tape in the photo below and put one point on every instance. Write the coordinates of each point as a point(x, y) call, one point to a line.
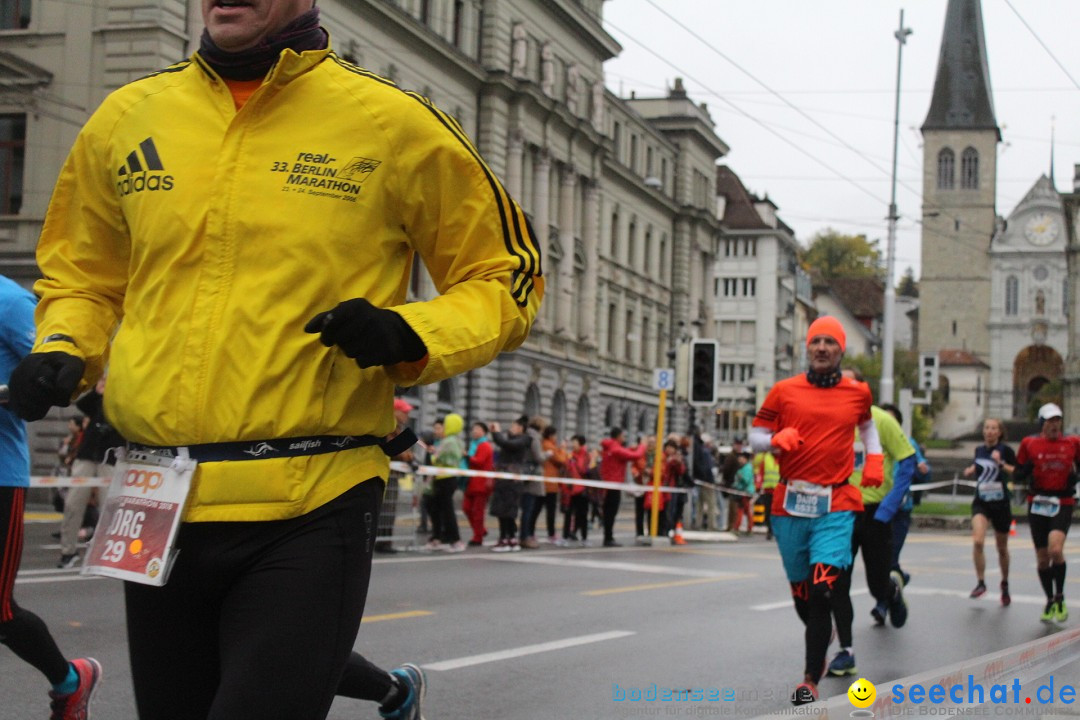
point(58, 481)
point(462, 472)
point(724, 489)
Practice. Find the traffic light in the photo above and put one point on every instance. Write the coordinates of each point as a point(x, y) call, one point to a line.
point(928, 371)
point(703, 375)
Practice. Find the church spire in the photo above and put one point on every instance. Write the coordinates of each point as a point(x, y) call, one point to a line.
point(962, 99)
point(1052, 123)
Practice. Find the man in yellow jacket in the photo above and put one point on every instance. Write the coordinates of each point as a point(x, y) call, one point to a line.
point(233, 236)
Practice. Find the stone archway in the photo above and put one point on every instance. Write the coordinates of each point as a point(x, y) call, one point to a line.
point(1034, 367)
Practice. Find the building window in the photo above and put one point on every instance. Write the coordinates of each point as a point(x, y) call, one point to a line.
point(648, 250)
point(727, 373)
point(615, 234)
point(616, 139)
point(663, 257)
point(459, 17)
point(661, 346)
point(1065, 297)
point(731, 286)
point(946, 169)
point(969, 169)
point(14, 14)
point(628, 349)
point(611, 312)
point(631, 244)
point(633, 153)
point(648, 161)
point(425, 11)
point(746, 373)
point(663, 172)
point(645, 341)
point(12, 159)
point(1012, 295)
point(749, 287)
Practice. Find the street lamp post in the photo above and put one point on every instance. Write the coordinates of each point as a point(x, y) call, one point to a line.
point(889, 331)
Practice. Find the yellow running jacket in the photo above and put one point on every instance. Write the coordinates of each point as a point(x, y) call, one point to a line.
point(205, 238)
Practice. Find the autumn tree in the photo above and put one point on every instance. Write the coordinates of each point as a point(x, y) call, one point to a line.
point(834, 255)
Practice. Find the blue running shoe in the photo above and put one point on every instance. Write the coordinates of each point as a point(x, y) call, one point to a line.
point(879, 613)
point(843, 664)
point(412, 678)
point(898, 609)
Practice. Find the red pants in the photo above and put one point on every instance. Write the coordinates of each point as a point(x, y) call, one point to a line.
point(744, 506)
point(474, 505)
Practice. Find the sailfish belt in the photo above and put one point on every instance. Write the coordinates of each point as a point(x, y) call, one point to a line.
point(281, 447)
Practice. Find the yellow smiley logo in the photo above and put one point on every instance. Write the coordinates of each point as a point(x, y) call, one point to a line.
point(862, 693)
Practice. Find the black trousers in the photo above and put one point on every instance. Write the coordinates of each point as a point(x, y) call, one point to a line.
point(446, 526)
point(612, 498)
point(258, 619)
point(21, 630)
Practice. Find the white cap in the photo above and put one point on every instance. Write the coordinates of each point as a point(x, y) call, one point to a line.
point(1049, 410)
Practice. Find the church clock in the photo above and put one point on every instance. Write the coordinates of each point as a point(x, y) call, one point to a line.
point(1041, 229)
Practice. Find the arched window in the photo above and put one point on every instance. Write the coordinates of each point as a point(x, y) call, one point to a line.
point(583, 424)
point(532, 400)
point(558, 412)
point(1012, 295)
point(609, 418)
point(969, 169)
point(946, 169)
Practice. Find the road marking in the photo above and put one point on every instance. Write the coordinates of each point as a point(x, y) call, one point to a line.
point(721, 553)
point(789, 602)
point(658, 586)
point(396, 616)
point(563, 561)
point(526, 650)
point(924, 592)
point(55, 578)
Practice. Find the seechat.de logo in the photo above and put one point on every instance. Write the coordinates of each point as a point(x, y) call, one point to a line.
point(145, 480)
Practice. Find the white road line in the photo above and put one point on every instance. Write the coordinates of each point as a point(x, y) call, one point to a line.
point(563, 561)
point(526, 650)
point(788, 603)
point(924, 592)
point(55, 578)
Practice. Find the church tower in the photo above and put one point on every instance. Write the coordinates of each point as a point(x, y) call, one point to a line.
point(960, 137)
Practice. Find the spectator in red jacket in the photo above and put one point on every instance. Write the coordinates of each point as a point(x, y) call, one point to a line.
point(481, 456)
point(614, 458)
point(576, 503)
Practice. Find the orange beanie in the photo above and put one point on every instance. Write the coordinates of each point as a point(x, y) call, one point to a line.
point(827, 325)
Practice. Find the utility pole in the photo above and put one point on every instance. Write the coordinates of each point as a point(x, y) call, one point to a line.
point(889, 331)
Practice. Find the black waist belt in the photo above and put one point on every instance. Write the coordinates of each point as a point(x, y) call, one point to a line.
point(283, 447)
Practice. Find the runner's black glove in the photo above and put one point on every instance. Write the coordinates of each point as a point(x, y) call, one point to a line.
point(42, 380)
point(369, 335)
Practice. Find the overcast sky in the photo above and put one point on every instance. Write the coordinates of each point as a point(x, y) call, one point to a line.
point(821, 146)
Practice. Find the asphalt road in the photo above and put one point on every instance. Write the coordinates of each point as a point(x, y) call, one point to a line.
point(559, 632)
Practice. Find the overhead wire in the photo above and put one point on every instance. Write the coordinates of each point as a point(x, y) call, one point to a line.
point(961, 222)
point(1044, 46)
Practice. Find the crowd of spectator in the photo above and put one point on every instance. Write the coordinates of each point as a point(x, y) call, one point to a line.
point(717, 484)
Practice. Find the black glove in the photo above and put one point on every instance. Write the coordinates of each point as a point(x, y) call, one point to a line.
point(42, 380)
point(370, 335)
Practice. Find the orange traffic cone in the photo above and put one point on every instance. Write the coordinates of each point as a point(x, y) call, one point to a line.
point(677, 539)
point(1012, 529)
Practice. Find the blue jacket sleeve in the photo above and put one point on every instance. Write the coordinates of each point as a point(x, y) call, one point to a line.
point(902, 475)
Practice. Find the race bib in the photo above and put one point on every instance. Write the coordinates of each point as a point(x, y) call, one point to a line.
point(807, 499)
point(140, 518)
point(1045, 505)
point(991, 491)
